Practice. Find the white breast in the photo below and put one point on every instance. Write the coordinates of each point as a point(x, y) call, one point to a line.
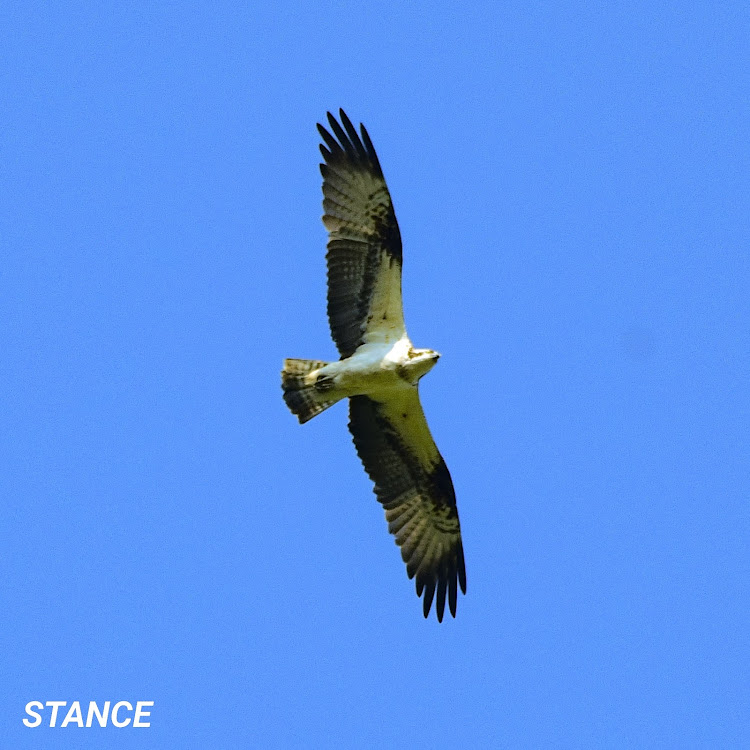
point(371, 369)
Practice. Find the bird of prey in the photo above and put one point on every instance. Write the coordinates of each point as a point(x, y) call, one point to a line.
point(379, 368)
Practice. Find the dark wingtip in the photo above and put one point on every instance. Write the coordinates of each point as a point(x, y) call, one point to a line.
point(343, 140)
point(429, 593)
point(461, 568)
point(452, 594)
point(345, 121)
point(440, 602)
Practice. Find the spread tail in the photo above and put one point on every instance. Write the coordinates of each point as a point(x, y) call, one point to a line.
point(306, 394)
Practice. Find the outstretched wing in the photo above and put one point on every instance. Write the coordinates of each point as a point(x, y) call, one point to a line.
point(414, 486)
point(364, 244)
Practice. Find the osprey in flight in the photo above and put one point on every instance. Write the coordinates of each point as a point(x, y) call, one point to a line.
point(379, 369)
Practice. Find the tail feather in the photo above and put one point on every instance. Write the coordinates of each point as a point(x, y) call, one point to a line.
point(305, 396)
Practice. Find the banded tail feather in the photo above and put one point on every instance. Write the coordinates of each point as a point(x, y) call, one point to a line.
point(306, 393)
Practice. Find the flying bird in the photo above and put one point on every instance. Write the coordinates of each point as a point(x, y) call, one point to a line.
point(379, 369)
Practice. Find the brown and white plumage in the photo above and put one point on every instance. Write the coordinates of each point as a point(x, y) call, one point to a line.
point(364, 243)
point(379, 369)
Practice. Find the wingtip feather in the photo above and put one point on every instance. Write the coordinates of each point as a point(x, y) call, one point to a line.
point(461, 568)
point(452, 595)
point(429, 593)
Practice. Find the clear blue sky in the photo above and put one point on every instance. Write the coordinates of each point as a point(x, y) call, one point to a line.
point(571, 183)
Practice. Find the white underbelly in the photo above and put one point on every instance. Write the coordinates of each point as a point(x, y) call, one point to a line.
point(370, 370)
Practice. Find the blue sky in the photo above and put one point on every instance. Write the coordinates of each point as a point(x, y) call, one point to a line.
point(571, 185)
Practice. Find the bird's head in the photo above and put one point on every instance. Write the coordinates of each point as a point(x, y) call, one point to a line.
point(420, 362)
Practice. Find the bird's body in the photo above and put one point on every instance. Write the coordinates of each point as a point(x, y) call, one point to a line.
point(379, 369)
